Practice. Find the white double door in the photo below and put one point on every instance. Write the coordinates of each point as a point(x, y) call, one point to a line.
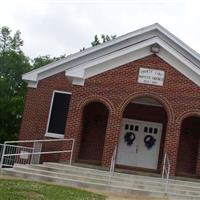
point(139, 154)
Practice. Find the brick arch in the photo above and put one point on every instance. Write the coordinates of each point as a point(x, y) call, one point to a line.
point(165, 103)
point(188, 148)
point(93, 148)
point(187, 114)
point(96, 98)
point(169, 118)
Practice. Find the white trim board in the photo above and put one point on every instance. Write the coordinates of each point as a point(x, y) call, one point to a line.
point(49, 134)
point(141, 50)
point(124, 49)
point(54, 135)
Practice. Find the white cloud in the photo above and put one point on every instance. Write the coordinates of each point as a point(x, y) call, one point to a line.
point(64, 26)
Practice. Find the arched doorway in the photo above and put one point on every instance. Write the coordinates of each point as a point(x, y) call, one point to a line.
point(142, 134)
point(94, 124)
point(188, 146)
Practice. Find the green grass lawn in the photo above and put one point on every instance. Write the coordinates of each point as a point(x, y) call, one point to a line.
point(12, 189)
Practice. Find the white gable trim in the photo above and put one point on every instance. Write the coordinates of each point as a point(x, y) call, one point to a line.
point(141, 50)
point(179, 66)
point(119, 55)
point(132, 46)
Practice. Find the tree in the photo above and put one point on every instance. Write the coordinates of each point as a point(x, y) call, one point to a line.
point(13, 63)
point(103, 39)
point(9, 43)
point(44, 60)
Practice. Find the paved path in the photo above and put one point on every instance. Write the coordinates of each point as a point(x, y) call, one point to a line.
point(134, 197)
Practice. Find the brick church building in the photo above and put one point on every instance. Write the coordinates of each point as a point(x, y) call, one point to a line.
point(139, 92)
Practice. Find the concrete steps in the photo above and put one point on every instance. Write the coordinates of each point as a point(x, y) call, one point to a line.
point(99, 180)
point(103, 172)
point(103, 177)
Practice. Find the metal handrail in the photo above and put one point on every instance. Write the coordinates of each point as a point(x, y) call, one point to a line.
point(31, 141)
point(166, 171)
point(11, 152)
point(112, 164)
point(1, 150)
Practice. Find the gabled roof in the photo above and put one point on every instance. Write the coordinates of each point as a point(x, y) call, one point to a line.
point(123, 49)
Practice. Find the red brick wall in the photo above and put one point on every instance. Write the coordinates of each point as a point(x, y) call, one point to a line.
point(145, 113)
point(188, 149)
point(93, 133)
point(115, 88)
point(37, 106)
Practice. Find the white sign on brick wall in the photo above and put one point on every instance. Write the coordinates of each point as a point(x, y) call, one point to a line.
point(151, 76)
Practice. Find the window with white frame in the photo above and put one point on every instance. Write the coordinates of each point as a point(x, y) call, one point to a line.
point(58, 114)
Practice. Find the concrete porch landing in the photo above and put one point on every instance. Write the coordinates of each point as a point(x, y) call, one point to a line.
point(186, 177)
point(95, 179)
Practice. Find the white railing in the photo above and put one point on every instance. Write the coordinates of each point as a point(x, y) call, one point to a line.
point(31, 151)
point(166, 171)
point(112, 164)
point(1, 150)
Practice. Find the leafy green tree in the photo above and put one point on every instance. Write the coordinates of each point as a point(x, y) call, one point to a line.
point(9, 43)
point(13, 63)
point(103, 38)
point(44, 60)
point(96, 41)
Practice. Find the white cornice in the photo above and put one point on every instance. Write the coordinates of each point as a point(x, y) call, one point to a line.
point(124, 49)
point(132, 53)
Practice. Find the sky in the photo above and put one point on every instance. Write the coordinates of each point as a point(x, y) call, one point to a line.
point(57, 27)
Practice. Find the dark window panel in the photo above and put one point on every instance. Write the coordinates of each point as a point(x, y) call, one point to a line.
point(136, 128)
point(126, 127)
point(59, 113)
point(155, 131)
point(131, 127)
